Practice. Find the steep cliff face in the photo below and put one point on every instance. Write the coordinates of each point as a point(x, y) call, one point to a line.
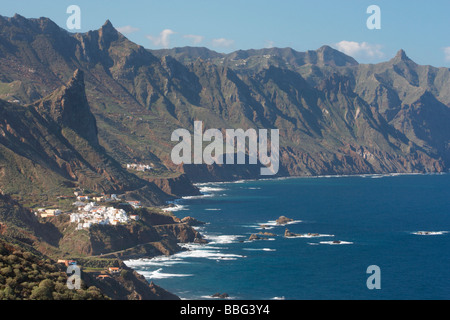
point(138, 241)
point(335, 116)
point(179, 186)
point(34, 269)
point(152, 235)
point(53, 145)
point(69, 107)
point(129, 285)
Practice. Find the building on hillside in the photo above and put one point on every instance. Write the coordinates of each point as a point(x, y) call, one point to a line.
point(139, 167)
point(49, 213)
point(114, 270)
point(135, 204)
point(99, 199)
point(67, 262)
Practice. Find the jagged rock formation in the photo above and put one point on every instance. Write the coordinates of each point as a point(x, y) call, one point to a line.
point(69, 107)
point(75, 108)
point(283, 220)
point(192, 222)
point(289, 234)
point(58, 135)
point(335, 116)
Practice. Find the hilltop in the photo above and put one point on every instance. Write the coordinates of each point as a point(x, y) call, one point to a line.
point(335, 116)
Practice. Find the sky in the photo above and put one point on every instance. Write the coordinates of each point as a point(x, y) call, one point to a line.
point(421, 28)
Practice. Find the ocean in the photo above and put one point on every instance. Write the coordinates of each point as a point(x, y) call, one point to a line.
point(358, 221)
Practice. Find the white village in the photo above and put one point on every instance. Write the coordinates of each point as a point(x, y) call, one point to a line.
point(90, 213)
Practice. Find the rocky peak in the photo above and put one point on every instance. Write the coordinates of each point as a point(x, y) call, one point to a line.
point(332, 57)
point(69, 107)
point(401, 54)
point(108, 33)
point(19, 21)
point(401, 57)
point(108, 27)
point(76, 83)
point(17, 17)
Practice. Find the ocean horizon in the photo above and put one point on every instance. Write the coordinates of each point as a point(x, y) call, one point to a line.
point(343, 225)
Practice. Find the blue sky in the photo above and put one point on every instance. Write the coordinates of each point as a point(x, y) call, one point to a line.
point(421, 28)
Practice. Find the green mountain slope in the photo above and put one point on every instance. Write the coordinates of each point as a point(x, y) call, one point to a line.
point(335, 116)
point(51, 146)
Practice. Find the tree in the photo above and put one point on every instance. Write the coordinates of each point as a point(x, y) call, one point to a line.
point(43, 291)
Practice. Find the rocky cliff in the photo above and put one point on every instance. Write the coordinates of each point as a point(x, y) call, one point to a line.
point(335, 116)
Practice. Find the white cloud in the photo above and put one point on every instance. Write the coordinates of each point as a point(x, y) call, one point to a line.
point(447, 54)
point(127, 29)
point(362, 50)
point(222, 42)
point(163, 40)
point(194, 38)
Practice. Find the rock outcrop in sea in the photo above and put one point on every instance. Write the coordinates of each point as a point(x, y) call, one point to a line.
point(283, 220)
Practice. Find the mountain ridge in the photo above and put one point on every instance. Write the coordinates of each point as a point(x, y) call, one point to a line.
point(159, 91)
point(77, 109)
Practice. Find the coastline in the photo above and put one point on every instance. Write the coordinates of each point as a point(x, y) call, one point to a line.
point(362, 175)
point(205, 194)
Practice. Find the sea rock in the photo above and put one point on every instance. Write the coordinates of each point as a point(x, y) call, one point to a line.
point(192, 222)
point(289, 234)
point(312, 235)
point(283, 220)
point(221, 295)
point(254, 237)
point(200, 240)
point(268, 234)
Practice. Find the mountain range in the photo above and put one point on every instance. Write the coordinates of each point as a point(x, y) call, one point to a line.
point(76, 108)
point(335, 116)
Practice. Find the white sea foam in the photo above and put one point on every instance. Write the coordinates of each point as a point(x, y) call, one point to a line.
point(211, 297)
point(221, 239)
point(209, 251)
point(312, 236)
point(206, 189)
point(213, 209)
point(208, 254)
point(197, 197)
point(196, 246)
point(430, 233)
point(259, 226)
point(273, 223)
point(176, 207)
point(260, 249)
point(386, 175)
point(334, 243)
point(161, 261)
point(269, 225)
point(158, 274)
point(278, 298)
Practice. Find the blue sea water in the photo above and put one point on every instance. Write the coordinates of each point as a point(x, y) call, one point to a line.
point(375, 218)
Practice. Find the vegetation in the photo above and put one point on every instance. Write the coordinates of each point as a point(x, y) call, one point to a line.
point(24, 276)
point(335, 116)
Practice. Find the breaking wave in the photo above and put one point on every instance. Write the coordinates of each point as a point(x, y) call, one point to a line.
point(430, 233)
